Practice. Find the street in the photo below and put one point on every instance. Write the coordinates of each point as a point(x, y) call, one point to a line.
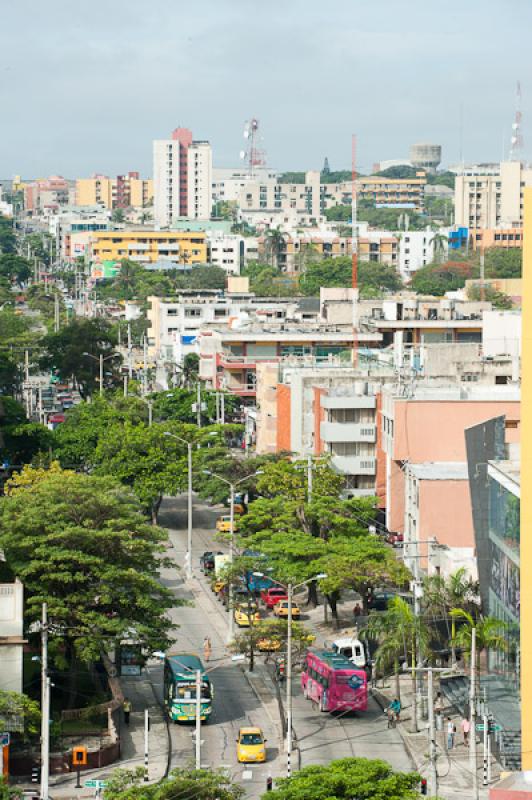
point(321, 737)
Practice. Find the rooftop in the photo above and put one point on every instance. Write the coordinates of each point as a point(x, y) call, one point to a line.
point(439, 471)
point(509, 470)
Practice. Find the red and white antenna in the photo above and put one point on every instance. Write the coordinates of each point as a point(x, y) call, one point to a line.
point(253, 155)
point(354, 244)
point(516, 145)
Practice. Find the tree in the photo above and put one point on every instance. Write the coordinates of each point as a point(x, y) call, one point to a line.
point(401, 634)
point(341, 213)
point(225, 209)
point(66, 352)
point(274, 241)
point(145, 460)
point(498, 299)
point(338, 272)
point(443, 593)
point(292, 177)
point(9, 374)
point(503, 263)
point(79, 543)
point(490, 633)
point(439, 244)
point(274, 631)
point(20, 439)
point(16, 706)
point(181, 783)
point(189, 375)
point(15, 267)
point(8, 242)
point(436, 279)
point(345, 779)
point(118, 215)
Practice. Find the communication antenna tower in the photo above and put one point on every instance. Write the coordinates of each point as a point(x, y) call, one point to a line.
point(354, 245)
point(516, 144)
point(253, 155)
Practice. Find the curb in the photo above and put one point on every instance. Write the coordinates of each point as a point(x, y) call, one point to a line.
point(383, 703)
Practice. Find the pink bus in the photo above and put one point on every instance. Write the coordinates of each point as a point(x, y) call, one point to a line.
point(332, 681)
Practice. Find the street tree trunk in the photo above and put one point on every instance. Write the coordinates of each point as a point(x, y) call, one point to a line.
point(312, 594)
point(332, 599)
point(397, 681)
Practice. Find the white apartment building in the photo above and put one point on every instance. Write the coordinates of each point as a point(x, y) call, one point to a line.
point(417, 249)
point(228, 183)
point(182, 177)
point(492, 199)
point(230, 251)
point(263, 197)
point(11, 636)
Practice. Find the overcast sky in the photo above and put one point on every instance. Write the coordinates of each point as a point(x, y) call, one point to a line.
point(87, 84)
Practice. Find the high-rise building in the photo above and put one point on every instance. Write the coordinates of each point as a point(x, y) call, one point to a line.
point(182, 177)
point(491, 200)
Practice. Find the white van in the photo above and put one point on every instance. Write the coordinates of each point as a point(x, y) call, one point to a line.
point(352, 649)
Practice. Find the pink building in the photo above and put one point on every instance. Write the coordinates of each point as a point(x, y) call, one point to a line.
point(46, 193)
point(426, 493)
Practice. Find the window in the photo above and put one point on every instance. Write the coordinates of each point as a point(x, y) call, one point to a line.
point(192, 312)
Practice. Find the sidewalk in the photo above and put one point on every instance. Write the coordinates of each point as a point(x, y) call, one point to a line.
point(141, 694)
point(454, 773)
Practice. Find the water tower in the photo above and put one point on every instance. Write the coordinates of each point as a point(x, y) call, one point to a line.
point(425, 156)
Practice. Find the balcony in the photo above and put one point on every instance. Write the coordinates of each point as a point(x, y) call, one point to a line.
point(242, 390)
point(354, 465)
point(348, 401)
point(242, 362)
point(347, 432)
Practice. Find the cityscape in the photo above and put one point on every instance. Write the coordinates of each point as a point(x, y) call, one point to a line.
point(261, 379)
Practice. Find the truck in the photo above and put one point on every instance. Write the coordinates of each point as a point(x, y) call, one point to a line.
point(220, 561)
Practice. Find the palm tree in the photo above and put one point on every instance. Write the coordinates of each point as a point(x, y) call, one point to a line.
point(439, 243)
point(118, 215)
point(274, 239)
point(489, 634)
point(442, 594)
point(402, 636)
point(145, 217)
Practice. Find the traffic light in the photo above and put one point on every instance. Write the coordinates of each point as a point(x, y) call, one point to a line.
point(423, 786)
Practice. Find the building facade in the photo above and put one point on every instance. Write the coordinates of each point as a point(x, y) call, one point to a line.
point(124, 191)
point(493, 200)
point(150, 247)
point(182, 178)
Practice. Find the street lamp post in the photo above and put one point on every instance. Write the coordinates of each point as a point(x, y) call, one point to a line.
point(232, 486)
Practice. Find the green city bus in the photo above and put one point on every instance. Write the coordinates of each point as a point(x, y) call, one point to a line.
point(180, 687)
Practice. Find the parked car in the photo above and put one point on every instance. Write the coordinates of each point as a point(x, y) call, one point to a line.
point(207, 560)
point(273, 595)
point(280, 610)
point(380, 599)
point(395, 539)
point(246, 614)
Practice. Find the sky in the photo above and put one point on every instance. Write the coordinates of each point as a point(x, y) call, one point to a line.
point(86, 85)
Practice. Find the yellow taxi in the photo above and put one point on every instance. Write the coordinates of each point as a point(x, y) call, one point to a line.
point(280, 610)
point(218, 585)
point(250, 745)
point(223, 524)
point(246, 614)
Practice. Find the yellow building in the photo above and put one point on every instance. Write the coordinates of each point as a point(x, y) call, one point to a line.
point(147, 247)
point(120, 192)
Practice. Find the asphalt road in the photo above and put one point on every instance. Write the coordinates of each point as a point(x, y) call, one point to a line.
point(321, 737)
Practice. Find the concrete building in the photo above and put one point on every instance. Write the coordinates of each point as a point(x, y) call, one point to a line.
point(150, 247)
point(123, 191)
point(47, 194)
point(232, 252)
point(384, 192)
point(11, 636)
point(182, 178)
point(507, 238)
point(493, 200)
point(72, 227)
point(302, 199)
point(229, 184)
point(426, 425)
point(419, 248)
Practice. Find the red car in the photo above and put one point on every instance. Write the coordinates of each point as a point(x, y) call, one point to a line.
point(273, 595)
point(395, 539)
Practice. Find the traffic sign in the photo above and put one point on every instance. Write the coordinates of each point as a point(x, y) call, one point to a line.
point(95, 784)
point(479, 727)
point(495, 727)
point(4, 739)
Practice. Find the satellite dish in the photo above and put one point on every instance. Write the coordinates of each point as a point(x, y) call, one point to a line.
point(246, 134)
point(242, 154)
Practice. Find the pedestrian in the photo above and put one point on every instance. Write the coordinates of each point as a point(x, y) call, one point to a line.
point(438, 712)
point(126, 705)
point(207, 648)
point(466, 727)
point(451, 730)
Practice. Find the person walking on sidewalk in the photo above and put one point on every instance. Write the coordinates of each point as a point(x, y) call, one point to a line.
point(466, 727)
point(451, 730)
point(207, 648)
point(126, 705)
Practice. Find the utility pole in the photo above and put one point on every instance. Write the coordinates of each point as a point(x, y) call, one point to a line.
point(217, 396)
point(472, 714)
point(289, 683)
point(309, 478)
point(222, 403)
point(146, 743)
point(145, 368)
point(129, 351)
point(101, 374)
point(485, 740)
point(433, 785)
point(56, 312)
point(45, 706)
point(125, 385)
point(231, 545)
point(198, 404)
point(198, 719)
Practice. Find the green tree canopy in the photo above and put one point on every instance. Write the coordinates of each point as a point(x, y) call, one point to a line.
point(8, 242)
point(436, 279)
point(497, 299)
point(181, 784)
point(80, 543)
point(14, 267)
point(372, 276)
point(66, 352)
point(20, 439)
point(346, 779)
